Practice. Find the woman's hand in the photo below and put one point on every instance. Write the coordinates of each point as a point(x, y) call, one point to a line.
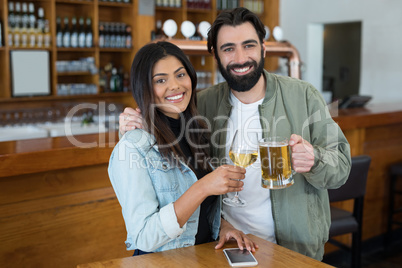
point(130, 119)
point(222, 180)
point(228, 232)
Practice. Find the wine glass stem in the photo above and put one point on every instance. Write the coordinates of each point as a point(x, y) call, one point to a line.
point(236, 194)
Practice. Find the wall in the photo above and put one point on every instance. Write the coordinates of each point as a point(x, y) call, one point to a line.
point(381, 68)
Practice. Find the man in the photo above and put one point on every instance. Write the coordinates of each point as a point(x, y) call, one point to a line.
point(297, 217)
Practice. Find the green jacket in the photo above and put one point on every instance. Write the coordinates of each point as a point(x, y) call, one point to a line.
point(301, 212)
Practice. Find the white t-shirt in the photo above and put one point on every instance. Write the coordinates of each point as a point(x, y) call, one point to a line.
point(256, 217)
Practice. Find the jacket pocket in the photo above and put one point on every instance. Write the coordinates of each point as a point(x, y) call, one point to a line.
point(163, 175)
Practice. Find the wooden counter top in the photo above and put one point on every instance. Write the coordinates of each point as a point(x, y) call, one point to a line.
point(370, 116)
point(37, 155)
point(205, 255)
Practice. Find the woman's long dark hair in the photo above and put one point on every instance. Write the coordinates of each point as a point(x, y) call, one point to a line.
point(153, 119)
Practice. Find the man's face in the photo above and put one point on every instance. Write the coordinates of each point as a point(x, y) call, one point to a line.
point(240, 56)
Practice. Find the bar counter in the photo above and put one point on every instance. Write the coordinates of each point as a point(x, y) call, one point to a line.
point(58, 209)
point(205, 255)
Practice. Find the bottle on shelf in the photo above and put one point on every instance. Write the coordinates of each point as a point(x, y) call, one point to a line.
point(101, 35)
point(59, 33)
point(112, 33)
point(17, 16)
point(24, 25)
point(40, 32)
point(88, 34)
point(81, 33)
point(118, 34)
point(15, 39)
point(32, 35)
point(123, 35)
point(66, 33)
point(115, 81)
point(24, 15)
point(159, 34)
point(11, 23)
point(31, 16)
point(107, 35)
point(129, 39)
point(47, 37)
point(74, 33)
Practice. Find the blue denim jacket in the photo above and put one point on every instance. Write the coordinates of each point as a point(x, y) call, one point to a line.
point(146, 186)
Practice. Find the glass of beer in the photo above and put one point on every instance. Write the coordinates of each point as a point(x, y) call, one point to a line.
point(276, 166)
point(243, 152)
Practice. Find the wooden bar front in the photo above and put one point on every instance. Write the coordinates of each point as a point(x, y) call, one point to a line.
point(58, 209)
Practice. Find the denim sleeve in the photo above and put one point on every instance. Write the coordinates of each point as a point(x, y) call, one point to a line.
point(148, 225)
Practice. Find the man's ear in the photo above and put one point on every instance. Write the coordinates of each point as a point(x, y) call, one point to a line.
point(264, 48)
point(214, 55)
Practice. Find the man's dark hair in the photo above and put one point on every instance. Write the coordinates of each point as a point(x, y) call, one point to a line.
point(233, 18)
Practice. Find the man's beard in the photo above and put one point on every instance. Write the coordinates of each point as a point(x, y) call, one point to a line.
point(242, 83)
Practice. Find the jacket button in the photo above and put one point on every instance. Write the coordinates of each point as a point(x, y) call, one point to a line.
point(164, 166)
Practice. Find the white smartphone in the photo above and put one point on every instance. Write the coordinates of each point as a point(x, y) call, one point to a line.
point(240, 258)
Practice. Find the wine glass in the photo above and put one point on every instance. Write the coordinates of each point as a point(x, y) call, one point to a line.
point(243, 152)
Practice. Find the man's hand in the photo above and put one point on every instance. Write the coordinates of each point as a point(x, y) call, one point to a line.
point(228, 231)
point(130, 119)
point(302, 154)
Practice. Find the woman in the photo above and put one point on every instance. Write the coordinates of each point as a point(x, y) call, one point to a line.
point(170, 196)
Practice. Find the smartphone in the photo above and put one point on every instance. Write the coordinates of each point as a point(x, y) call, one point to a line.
point(240, 258)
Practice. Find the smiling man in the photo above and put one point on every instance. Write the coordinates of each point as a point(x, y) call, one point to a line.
point(297, 217)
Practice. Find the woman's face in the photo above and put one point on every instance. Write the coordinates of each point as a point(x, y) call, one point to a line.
point(172, 86)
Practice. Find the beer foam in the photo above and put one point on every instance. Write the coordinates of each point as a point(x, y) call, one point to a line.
point(273, 144)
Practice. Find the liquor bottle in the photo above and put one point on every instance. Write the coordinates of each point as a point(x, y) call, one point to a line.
point(47, 38)
point(40, 28)
point(31, 31)
point(66, 33)
point(159, 32)
point(123, 35)
point(11, 23)
point(24, 35)
point(118, 35)
point(112, 34)
point(31, 16)
point(81, 34)
point(25, 16)
point(101, 35)
point(128, 37)
point(88, 34)
point(16, 32)
point(107, 36)
point(115, 81)
point(59, 32)
point(74, 33)
point(17, 16)
point(24, 25)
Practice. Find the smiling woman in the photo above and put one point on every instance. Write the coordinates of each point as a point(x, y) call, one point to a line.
point(169, 195)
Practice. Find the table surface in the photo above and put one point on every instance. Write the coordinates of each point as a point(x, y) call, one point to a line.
point(205, 255)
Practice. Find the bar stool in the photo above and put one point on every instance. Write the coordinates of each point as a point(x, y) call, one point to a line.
point(345, 222)
point(395, 174)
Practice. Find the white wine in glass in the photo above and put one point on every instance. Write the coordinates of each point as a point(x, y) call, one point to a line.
point(243, 158)
point(243, 152)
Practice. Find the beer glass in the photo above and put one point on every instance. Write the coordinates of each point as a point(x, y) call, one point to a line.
point(243, 152)
point(276, 166)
